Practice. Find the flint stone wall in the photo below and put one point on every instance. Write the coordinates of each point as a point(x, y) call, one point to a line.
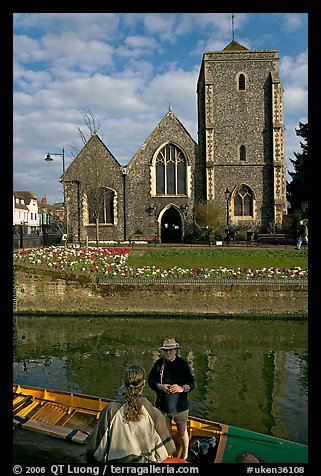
point(49, 291)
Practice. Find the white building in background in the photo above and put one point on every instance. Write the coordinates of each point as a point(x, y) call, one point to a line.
point(25, 210)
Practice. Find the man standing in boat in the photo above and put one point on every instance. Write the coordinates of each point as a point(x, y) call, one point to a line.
point(172, 379)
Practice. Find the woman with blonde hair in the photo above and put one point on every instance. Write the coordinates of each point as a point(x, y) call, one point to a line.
point(133, 430)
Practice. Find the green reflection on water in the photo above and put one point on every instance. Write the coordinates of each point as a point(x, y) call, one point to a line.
point(244, 368)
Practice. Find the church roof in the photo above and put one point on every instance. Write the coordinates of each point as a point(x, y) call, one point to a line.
point(91, 148)
point(170, 113)
point(235, 46)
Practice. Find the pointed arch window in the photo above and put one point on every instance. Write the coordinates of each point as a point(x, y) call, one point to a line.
point(241, 82)
point(242, 153)
point(243, 202)
point(100, 204)
point(171, 170)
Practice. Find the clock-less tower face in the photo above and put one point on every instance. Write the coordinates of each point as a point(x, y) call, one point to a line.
point(241, 134)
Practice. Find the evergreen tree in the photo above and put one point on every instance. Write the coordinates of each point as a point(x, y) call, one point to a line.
point(297, 189)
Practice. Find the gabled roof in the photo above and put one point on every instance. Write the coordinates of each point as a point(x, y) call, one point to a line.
point(235, 46)
point(96, 138)
point(168, 115)
point(88, 145)
point(46, 206)
point(20, 206)
point(27, 196)
point(170, 112)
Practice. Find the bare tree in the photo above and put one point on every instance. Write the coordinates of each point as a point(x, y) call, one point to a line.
point(92, 125)
point(93, 188)
point(95, 192)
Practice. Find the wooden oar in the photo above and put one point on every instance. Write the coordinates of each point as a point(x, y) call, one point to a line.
point(66, 405)
point(22, 403)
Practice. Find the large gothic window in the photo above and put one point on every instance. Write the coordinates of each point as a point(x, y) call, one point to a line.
point(100, 203)
point(243, 202)
point(171, 170)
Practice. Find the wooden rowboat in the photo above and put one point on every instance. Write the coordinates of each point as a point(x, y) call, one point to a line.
point(52, 426)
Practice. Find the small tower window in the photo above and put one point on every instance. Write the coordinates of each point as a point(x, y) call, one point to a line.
point(241, 82)
point(242, 153)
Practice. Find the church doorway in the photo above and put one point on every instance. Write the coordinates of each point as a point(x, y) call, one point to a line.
point(171, 226)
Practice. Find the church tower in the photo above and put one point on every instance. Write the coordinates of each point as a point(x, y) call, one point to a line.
point(241, 135)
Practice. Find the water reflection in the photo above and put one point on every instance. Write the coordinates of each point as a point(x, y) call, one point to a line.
point(250, 373)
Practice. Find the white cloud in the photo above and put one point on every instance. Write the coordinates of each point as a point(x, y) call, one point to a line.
point(295, 68)
point(295, 99)
point(178, 89)
point(86, 25)
point(127, 69)
point(141, 42)
point(294, 77)
point(161, 24)
point(68, 51)
point(292, 21)
point(27, 50)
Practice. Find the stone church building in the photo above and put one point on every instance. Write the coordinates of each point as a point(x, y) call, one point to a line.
point(240, 150)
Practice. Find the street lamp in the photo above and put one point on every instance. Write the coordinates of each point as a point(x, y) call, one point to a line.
point(227, 198)
point(48, 159)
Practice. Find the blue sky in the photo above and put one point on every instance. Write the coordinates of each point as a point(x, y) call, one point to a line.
point(127, 69)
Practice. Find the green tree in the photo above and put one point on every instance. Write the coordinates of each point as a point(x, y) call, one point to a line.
point(297, 189)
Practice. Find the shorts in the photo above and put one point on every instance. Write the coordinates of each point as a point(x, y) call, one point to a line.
point(180, 417)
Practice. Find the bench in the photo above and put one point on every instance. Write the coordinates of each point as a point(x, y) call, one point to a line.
point(275, 238)
point(149, 237)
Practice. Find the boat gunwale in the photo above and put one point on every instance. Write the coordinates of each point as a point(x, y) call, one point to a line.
point(220, 430)
point(61, 392)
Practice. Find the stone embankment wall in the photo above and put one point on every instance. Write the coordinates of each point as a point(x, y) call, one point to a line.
point(49, 291)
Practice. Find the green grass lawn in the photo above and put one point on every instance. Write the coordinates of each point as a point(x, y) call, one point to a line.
point(214, 258)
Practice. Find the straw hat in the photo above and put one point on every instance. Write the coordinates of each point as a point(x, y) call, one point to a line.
point(169, 344)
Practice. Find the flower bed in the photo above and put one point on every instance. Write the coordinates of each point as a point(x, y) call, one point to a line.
point(111, 263)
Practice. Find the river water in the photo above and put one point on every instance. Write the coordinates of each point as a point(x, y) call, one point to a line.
point(251, 373)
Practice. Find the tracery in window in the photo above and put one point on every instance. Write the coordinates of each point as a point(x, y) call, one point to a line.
point(242, 153)
point(241, 82)
point(243, 202)
point(171, 169)
point(100, 204)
